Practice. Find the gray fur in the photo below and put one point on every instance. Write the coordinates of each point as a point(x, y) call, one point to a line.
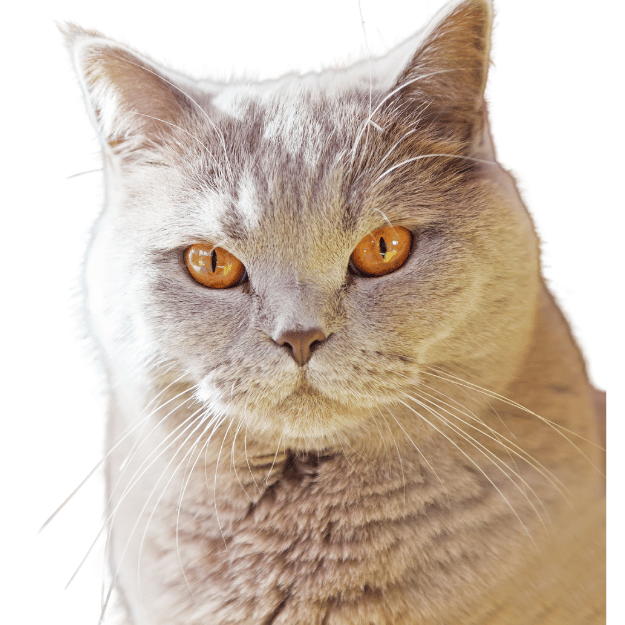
point(326, 520)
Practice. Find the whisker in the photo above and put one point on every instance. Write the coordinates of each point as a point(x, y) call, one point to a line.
point(185, 482)
point(474, 464)
point(515, 449)
point(364, 32)
point(205, 149)
point(82, 173)
point(215, 425)
point(234, 464)
point(422, 156)
point(134, 450)
point(388, 97)
point(488, 454)
point(369, 120)
point(407, 134)
point(215, 486)
point(249, 468)
point(555, 426)
point(345, 455)
point(420, 452)
point(469, 413)
point(136, 445)
point(93, 470)
point(266, 478)
point(388, 221)
point(106, 602)
point(202, 111)
point(126, 490)
point(401, 464)
point(201, 420)
point(111, 516)
point(361, 456)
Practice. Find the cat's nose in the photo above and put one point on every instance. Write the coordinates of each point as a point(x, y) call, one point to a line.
point(301, 343)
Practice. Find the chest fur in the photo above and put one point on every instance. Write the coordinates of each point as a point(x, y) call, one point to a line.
point(335, 539)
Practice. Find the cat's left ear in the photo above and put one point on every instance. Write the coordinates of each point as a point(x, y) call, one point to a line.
point(132, 103)
point(443, 84)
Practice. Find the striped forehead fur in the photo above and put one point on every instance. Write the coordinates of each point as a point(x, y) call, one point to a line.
point(294, 150)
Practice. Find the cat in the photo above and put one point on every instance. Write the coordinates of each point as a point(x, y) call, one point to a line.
point(340, 391)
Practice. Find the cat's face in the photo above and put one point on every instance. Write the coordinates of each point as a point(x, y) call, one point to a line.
point(289, 177)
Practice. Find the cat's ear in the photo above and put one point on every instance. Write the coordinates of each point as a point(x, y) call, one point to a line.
point(443, 84)
point(130, 101)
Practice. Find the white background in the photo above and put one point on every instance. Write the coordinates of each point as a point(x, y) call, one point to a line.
point(556, 108)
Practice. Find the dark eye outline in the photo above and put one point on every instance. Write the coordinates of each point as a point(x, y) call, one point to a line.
point(352, 269)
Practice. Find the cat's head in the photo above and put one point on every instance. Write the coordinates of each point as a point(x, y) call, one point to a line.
point(289, 178)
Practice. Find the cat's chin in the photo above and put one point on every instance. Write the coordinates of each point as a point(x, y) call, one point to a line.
point(309, 414)
point(305, 418)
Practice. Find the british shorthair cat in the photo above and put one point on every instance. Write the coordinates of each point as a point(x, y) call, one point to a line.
point(340, 391)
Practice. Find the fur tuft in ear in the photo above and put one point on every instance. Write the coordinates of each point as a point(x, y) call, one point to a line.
point(443, 85)
point(130, 102)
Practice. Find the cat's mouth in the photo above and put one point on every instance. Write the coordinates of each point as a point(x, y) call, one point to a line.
point(304, 413)
point(305, 395)
point(304, 407)
point(307, 414)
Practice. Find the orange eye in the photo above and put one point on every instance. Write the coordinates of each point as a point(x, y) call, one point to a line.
point(213, 266)
point(382, 251)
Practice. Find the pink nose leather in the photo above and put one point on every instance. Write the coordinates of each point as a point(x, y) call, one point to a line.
point(301, 343)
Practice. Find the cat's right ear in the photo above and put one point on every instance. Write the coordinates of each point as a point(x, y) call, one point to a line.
point(443, 84)
point(130, 101)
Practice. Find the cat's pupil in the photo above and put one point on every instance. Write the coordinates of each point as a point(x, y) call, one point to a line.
point(214, 260)
point(382, 247)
